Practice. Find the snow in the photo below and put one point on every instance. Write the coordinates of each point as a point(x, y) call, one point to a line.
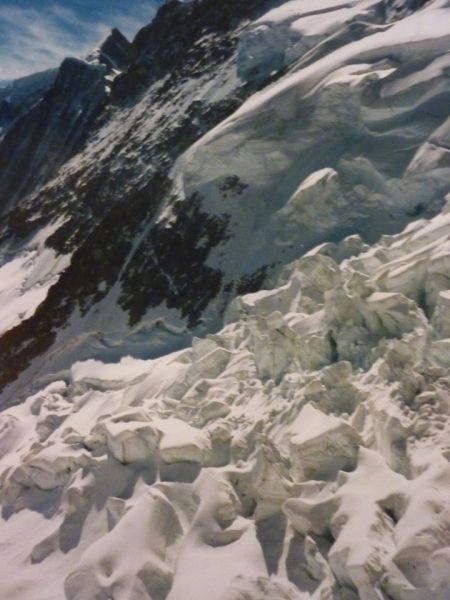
point(349, 111)
point(26, 277)
point(425, 31)
point(130, 369)
point(329, 18)
point(295, 8)
point(135, 486)
point(181, 442)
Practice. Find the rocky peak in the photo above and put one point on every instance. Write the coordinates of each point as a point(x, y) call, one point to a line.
point(20, 95)
point(50, 133)
point(172, 40)
point(115, 52)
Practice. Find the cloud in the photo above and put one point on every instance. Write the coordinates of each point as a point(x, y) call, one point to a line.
point(34, 39)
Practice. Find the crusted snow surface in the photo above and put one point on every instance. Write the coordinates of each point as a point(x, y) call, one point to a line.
point(301, 453)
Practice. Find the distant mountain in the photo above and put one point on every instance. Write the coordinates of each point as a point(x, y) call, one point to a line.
point(18, 97)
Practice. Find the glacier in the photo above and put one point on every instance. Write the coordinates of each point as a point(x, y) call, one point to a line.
point(225, 310)
point(302, 452)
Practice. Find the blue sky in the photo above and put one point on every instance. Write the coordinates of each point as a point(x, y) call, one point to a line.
point(38, 34)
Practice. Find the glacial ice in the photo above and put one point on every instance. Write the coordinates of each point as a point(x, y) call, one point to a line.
point(169, 485)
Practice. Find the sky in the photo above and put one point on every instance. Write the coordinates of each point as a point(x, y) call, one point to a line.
point(37, 34)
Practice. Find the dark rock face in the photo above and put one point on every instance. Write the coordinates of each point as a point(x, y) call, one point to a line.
point(178, 26)
point(98, 259)
point(53, 130)
point(18, 97)
point(115, 52)
point(51, 114)
point(185, 282)
point(170, 44)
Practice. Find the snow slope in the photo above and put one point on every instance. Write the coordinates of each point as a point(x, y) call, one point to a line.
point(26, 279)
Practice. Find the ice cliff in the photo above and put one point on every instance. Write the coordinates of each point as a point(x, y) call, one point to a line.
point(225, 311)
